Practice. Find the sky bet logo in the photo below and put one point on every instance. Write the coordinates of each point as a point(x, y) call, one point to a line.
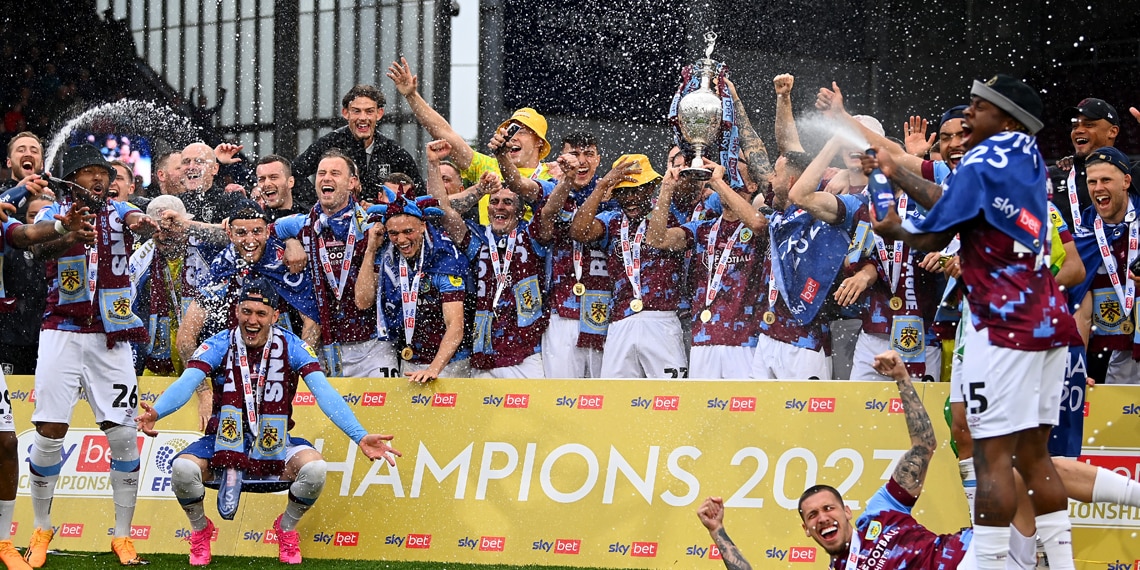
point(801, 554)
point(733, 404)
point(1130, 410)
point(894, 406)
point(304, 399)
point(1120, 565)
point(436, 400)
point(373, 398)
point(422, 541)
point(825, 405)
point(510, 401)
point(484, 543)
point(661, 403)
point(700, 551)
point(267, 537)
point(638, 549)
point(559, 546)
point(584, 401)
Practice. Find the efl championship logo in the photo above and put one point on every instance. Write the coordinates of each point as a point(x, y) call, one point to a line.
point(164, 457)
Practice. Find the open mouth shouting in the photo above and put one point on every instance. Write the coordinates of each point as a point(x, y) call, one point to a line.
point(362, 128)
point(251, 332)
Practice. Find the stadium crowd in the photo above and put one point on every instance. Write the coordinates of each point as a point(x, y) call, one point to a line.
point(528, 259)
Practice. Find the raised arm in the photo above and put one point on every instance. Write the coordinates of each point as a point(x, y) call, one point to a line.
point(658, 233)
point(830, 101)
point(557, 199)
point(787, 136)
point(65, 231)
point(742, 208)
point(366, 279)
point(911, 470)
point(711, 513)
point(823, 206)
point(453, 222)
point(406, 85)
point(585, 227)
point(751, 145)
point(527, 189)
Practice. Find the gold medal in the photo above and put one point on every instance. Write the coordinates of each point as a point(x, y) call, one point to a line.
point(407, 353)
point(579, 289)
point(1127, 327)
point(769, 317)
point(636, 305)
point(896, 303)
point(706, 316)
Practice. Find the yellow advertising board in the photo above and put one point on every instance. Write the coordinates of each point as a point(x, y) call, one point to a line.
point(569, 472)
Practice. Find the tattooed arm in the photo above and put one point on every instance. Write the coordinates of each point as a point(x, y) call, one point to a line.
point(911, 470)
point(711, 514)
point(751, 145)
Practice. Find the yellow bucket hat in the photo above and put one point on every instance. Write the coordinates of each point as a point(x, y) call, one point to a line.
point(534, 121)
point(646, 176)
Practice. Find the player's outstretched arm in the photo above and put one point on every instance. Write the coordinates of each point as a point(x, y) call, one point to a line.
point(711, 514)
point(911, 471)
point(169, 401)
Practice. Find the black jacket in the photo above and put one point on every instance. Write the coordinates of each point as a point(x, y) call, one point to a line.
point(387, 157)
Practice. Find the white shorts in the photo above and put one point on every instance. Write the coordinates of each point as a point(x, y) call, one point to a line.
point(530, 367)
point(561, 355)
point(457, 369)
point(870, 345)
point(775, 360)
point(721, 362)
point(70, 363)
point(649, 344)
point(7, 420)
point(1022, 553)
point(1007, 390)
point(1122, 369)
point(369, 359)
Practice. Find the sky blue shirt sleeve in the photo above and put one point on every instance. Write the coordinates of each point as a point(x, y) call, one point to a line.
point(289, 226)
point(124, 208)
point(883, 501)
point(605, 218)
point(178, 393)
point(332, 404)
point(941, 171)
point(852, 203)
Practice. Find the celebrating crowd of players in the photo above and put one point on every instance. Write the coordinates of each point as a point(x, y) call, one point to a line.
point(501, 265)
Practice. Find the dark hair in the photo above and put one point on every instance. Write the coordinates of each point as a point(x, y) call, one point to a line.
point(271, 158)
point(578, 139)
point(161, 160)
point(814, 490)
point(368, 91)
point(400, 178)
point(24, 135)
point(337, 153)
point(797, 161)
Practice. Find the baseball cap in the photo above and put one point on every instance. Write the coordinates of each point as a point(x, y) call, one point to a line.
point(245, 209)
point(1095, 109)
point(258, 289)
point(1110, 155)
point(1014, 97)
point(166, 202)
point(646, 176)
point(534, 121)
point(955, 112)
point(872, 124)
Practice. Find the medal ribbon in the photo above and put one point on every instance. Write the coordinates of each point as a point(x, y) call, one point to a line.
point(1074, 202)
point(892, 267)
point(410, 295)
point(631, 254)
point(577, 262)
point(93, 255)
point(853, 551)
point(252, 400)
point(1127, 295)
point(716, 276)
point(346, 264)
point(500, 272)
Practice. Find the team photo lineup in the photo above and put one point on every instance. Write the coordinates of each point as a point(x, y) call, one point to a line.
point(948, 249)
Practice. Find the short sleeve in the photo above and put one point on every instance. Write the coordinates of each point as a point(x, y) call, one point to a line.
point(211, 353)
point(289, 226)
point(302, 357)
point(852, 204)
point(691, 231)
point(605, 218)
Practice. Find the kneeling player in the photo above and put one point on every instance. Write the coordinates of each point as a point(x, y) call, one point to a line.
point(251, 400)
